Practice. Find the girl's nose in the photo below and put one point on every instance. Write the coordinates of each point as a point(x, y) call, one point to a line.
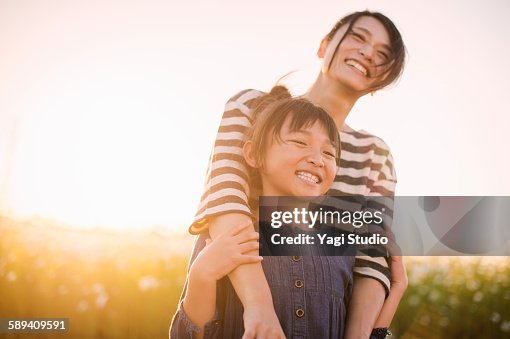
point(315, 158)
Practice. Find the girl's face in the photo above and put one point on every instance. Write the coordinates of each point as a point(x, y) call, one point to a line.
point(358, 63)
point(303, 163)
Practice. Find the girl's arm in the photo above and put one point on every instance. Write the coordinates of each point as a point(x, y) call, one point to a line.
point(199, 303)
point(217, 259)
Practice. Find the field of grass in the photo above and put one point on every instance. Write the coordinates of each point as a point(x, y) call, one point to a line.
point(114, 285)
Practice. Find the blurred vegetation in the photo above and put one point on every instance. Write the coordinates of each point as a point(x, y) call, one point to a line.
point(455, 297)
point(114, 285)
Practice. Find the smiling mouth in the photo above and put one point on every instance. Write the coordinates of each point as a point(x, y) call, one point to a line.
point(307, 176)
point(353, 63)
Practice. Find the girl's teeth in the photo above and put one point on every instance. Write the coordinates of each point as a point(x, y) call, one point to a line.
point(308, 177)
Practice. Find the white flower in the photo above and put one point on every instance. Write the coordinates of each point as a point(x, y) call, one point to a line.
point(477, 297)
point(62, 289)
point(11, 276)
point(102, 299)
point(147, 283)
point(495, 317)
point(83, 306)
point(505, 326)
point(97, 288)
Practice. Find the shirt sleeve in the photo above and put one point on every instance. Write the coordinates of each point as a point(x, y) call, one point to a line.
point(383, 186)
point(182, 327)
point(226, 189)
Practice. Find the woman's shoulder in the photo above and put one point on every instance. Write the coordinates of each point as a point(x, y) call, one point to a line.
point(362, 138)
point(245, 96)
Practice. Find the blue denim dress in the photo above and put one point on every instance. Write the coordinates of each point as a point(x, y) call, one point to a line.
point(310, 296)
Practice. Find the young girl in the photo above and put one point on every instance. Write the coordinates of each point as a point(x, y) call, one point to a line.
point(293, 148)
point(363, 53)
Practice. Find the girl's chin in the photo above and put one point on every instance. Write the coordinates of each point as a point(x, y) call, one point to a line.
point(308, 192)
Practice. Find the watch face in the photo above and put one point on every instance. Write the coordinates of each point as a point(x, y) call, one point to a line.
point(380, 333)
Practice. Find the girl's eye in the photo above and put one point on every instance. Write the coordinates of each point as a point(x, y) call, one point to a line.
point(298, 142)
point(330, 154)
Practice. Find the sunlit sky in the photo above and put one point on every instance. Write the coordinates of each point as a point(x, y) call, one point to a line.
point(108, 109)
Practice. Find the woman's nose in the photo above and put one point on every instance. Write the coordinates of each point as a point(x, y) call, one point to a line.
point(367, 51)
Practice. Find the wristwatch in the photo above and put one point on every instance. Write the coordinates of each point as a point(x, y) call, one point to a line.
point(380, 333)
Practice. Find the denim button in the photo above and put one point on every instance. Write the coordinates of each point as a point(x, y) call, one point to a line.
point(296, 258)
point(300, 312)
point(298, 283)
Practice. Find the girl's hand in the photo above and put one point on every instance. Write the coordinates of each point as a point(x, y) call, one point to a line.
point(226, 252)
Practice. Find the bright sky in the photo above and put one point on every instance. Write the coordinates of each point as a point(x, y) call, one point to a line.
point(108, 109)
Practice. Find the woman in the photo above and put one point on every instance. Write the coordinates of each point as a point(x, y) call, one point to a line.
point(292, 151)
point(363, 52)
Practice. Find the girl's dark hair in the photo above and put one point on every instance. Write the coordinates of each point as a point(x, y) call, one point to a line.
point(273, 109)
point(398, 49)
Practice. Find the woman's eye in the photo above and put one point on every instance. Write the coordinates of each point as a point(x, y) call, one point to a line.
point(358, 36)
point(383, 55)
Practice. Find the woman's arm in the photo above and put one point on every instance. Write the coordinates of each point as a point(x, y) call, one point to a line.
point(372, 274)
point(224, 205)
point(364, 307)
point(398, 287)
point(250, 284)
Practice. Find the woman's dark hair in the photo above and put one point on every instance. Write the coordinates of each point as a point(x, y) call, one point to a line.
point(273, 109)
point(398, 50)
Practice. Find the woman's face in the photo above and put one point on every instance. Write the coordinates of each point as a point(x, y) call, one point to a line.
point(359, 62)
point(301, 164)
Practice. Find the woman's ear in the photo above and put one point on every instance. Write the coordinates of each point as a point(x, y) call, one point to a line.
point(321, 52)
point(248, 154)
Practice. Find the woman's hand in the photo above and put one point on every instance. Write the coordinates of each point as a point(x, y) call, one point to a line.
point(261, 322)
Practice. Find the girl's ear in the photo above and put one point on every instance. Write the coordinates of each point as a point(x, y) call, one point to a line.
point(248, 154)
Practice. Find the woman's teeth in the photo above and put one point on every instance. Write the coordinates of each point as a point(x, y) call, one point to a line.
point(308, 177)
point(357, 65)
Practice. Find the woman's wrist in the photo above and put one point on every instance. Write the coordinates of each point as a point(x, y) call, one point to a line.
point(260, 299)
point(380, 333)
point(398, 288)
point(201, 276)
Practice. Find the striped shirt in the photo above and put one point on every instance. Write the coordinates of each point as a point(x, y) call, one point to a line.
point(365, 169)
